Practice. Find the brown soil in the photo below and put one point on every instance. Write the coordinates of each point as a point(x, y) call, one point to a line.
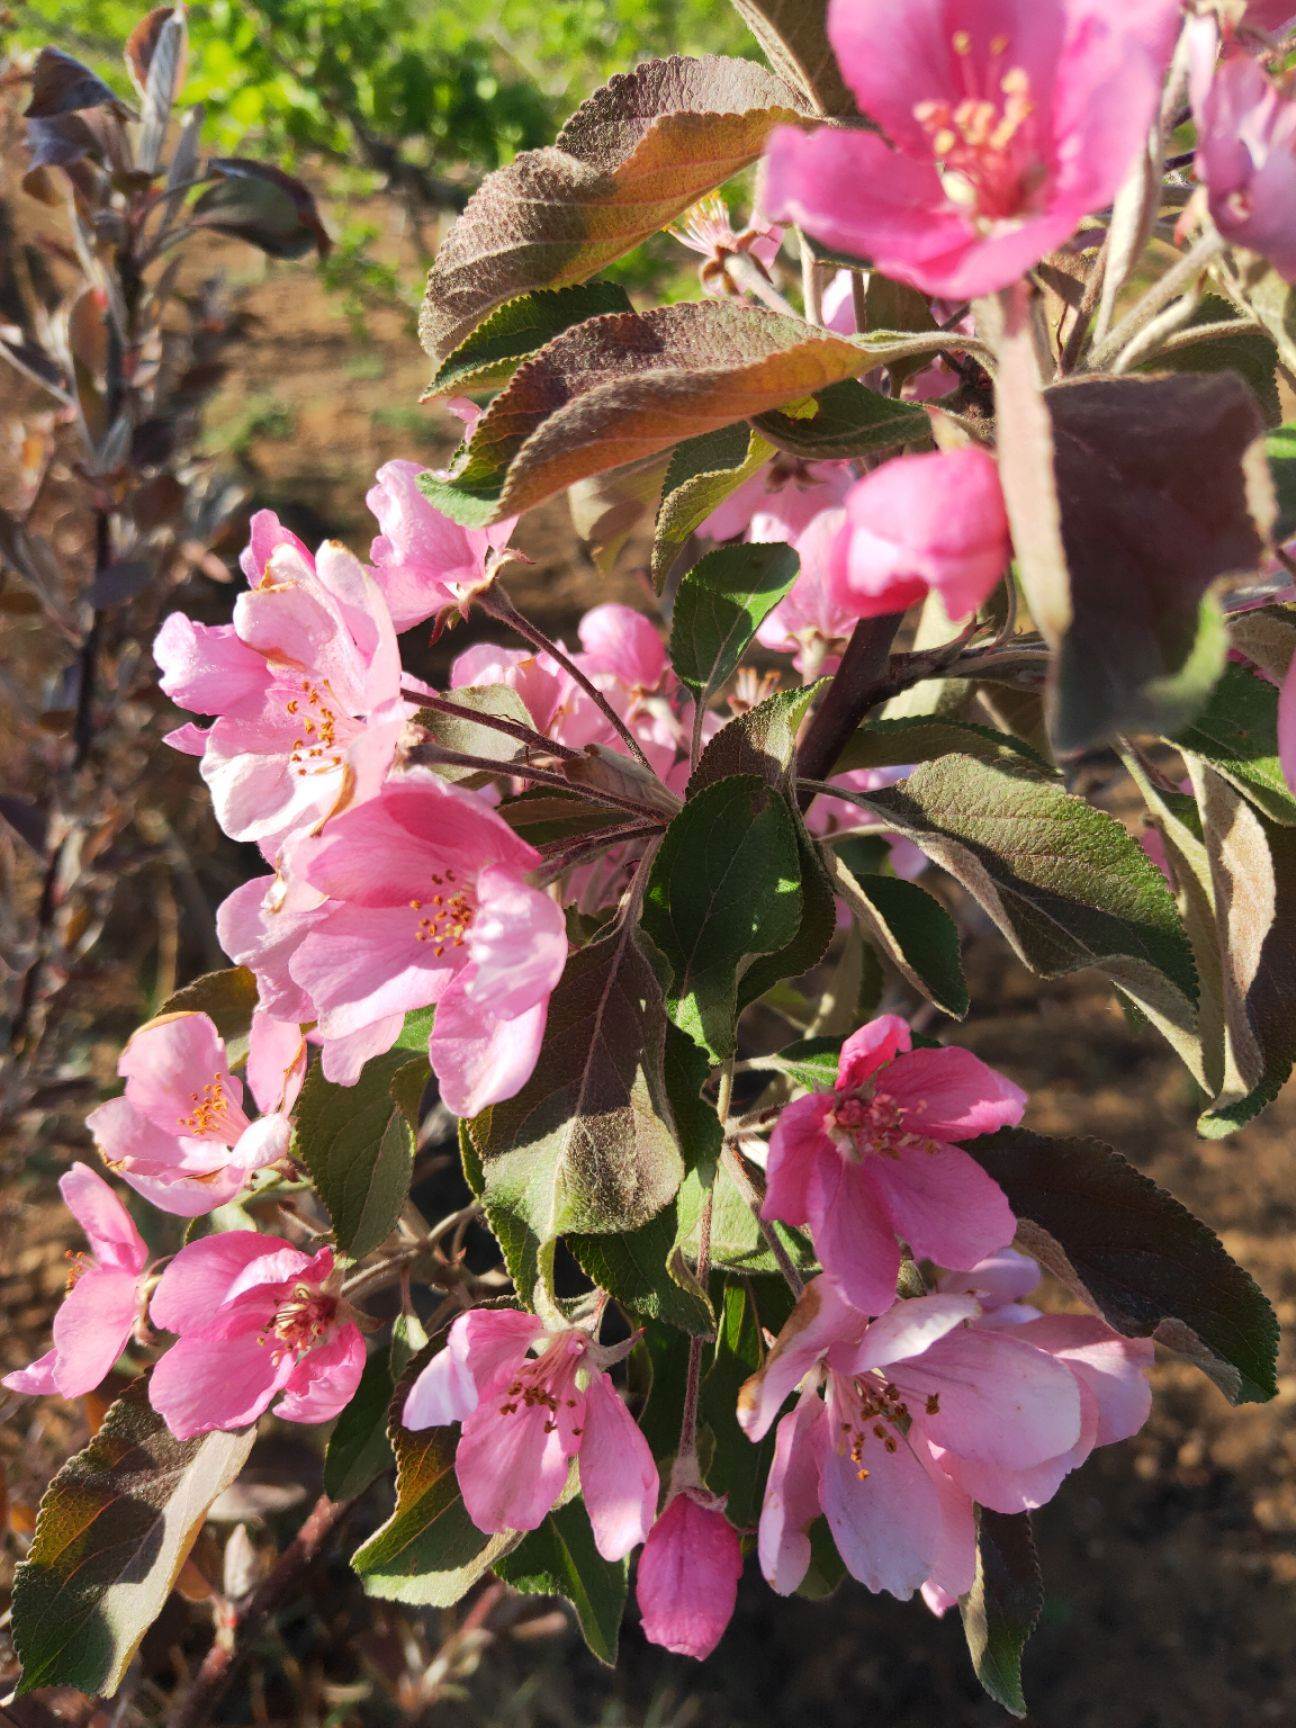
point(1170, 1563)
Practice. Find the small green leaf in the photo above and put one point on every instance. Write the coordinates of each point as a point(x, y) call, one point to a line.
point(849, 420)
point(723, 891)
point(763, 741)
point(114, 1528)
point(737, 1244)
point(228, 999)
point(560, 1559)
point(1237, 733)
point(1133, 1253)
point(358, 1448)
point(490, 356)
point(721, 604)
point(911, 928)
point(452, 732)
point(645, 1272)
point(925, 738)
point(358, 1144)
point(703, 472)
point(737, 1468)
point(1003, 1605)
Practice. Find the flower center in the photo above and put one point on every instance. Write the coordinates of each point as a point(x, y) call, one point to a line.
point(324, 731)
point(213, 1114)
point(79, 1263)
point(446, 916)
point(303, 1319)
point(862, 1123)
point(985, 146)
point(547, 1383)
point(874, 1412)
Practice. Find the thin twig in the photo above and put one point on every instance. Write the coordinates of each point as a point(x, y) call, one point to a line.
point(1179, 278)
point(433, 753)
point(527, 735)
point(246, 1624)
point(850, 695)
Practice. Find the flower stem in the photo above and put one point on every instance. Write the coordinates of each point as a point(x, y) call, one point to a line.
point(499, 723)
point(496, 604)
point(1179, 278)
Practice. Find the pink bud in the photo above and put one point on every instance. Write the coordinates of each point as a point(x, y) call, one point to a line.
point(918, 523)
point(687, 1582)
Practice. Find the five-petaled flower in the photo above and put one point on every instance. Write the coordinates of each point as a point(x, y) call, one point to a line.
point(429, 902)
point(179, 1133)
point(532, 1400)
point(1008, 123)
point(877, 1158)
point(257, 1320)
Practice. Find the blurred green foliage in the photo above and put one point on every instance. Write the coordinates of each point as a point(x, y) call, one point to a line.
point(448, 83)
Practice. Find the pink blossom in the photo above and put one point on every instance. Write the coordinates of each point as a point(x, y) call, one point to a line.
point(707, 229)
point(423, 562)
point(261, 925)
point(876, 1159)
point(829, 815)
point(809, 622)
point(551, 696)
point(1246, 155)
point(179, 1134)
point(918, 523)
point(1008, 122)
point(304, 685)
point(622, 644)
point(257, 1320)
point(104, 1297)
point(882, 1407)
point(429, 903)
point(532, 1401)
point(687, 1578)
point(779, 501)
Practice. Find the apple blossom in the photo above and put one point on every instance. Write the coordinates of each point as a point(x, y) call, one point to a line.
point(1246, 157)
point(304, 687)
point(179, 1134)
point(1007, 125)
point(104, 1298)
point(779, 501)
point(532, 1401)
point(422, 561)
point(877, 1158)
point(686, 1582)
point(429, 903)
point(901, 1395)
point(934, 522)
point(258, 1320)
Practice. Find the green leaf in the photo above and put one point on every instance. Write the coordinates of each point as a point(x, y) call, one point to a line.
point(644, 1270)
point(588, 1144)
point(737, 1468)
point(543, 816)
point(702, 473)
point(452, 732)
point(358, 1144)
point(1237, 733)
point(1001, 1609)
point(617, 389)
point(697, 1126)
point(358, 1450)
point(1253, 877)
point(724, 889)
point(1267, 636)
point(925, 738)
point(911, 928)
point(634, 156)
point(811, 1062)
point(1133, 1253)
point(228, 999)
point(560, 1559)
point(737, 1244)
point(849, 420)
point(429, 1553)
point(1258, 289)
point(1244, 350)
point(720, 605)
point(1063, 881)
point(114, 1529)
point(493, 352)
point(1280, 447)
point(763, 741)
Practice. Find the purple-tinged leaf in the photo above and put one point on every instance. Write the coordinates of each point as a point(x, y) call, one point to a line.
point(263, 205)
point(1001, 1609)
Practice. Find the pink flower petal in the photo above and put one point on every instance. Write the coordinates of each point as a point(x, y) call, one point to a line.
point(482, 1345)
point(999, 1400)
point(1112, 1368)
point(887, 1523)
point(202, 1275)
point(951, 1094)
point(106, 1222)
point(92, 1328)
point(871, 1048)
point(798, 1142)
point(478, 1059)
point(820, 1321)
point(908, 1329)
point(617, 1474)
point(323, 1383)
point(37, 1379)
point(943, 1204)
point(223, 1377)
point(852, 1232)
point(791, 1502)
